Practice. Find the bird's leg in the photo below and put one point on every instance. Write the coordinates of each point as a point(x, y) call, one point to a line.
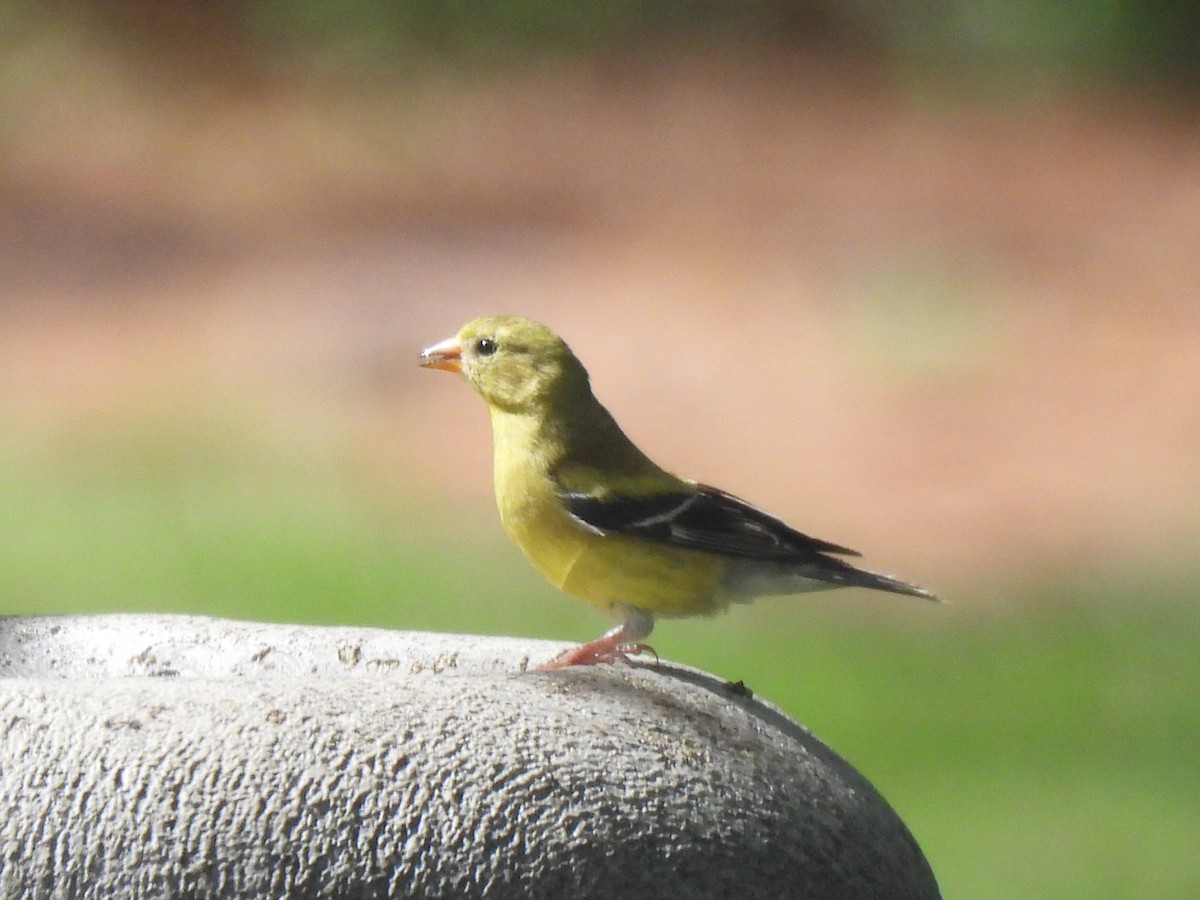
point(619, 643)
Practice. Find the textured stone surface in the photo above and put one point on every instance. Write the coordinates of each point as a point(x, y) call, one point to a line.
point(179, 756)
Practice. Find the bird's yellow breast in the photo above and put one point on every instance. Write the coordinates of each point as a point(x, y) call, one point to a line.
point(604, 569)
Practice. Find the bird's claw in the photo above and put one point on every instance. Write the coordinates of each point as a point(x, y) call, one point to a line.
point(625, 651)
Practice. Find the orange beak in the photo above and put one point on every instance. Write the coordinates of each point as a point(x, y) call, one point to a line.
point(445, 355)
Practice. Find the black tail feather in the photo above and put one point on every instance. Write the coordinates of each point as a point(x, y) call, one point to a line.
point(840, 573)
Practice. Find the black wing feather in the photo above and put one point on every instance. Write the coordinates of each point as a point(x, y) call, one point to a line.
point(708, 519)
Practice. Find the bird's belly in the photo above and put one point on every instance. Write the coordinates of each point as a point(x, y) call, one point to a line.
point(664, 581)
point(613, 569)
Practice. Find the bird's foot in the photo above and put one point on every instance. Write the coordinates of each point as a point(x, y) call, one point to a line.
point(602, 650)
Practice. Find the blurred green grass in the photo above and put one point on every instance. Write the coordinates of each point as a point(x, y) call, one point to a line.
point(1042, 745)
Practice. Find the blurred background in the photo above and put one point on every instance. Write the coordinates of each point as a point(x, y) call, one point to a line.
point(921, 278)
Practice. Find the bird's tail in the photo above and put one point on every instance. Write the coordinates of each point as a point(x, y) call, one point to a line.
point(844, 574)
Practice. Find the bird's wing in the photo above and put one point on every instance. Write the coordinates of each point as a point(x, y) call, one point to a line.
point(700, 519)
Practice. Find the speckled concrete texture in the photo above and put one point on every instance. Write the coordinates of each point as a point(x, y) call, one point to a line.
point(168, 756)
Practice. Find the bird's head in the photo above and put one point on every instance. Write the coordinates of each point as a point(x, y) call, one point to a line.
point(515, 364)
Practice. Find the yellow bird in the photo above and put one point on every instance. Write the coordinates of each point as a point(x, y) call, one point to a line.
point(600, 520)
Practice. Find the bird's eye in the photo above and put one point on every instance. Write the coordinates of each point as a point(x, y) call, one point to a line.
point(485, 347)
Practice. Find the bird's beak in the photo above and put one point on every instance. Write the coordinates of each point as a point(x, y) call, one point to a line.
point(445, 355)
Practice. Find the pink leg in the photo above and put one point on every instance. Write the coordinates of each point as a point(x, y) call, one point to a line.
point(619, 643)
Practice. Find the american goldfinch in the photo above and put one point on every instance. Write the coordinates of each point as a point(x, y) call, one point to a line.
point(600, 520)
